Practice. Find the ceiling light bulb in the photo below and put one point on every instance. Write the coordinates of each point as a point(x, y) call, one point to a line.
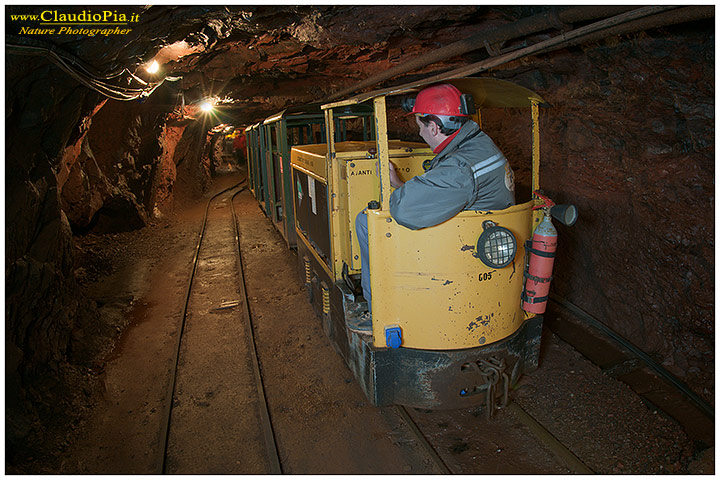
point(206, 106)
point(153, 67)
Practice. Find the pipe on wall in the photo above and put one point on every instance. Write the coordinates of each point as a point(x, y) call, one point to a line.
point(673, 17)
point(558, 41)
point(526, 26)
point(624, 23)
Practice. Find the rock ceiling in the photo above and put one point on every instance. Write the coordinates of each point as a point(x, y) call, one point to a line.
point(262, 58)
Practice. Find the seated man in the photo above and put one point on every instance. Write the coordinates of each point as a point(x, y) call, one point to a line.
point(469, 172)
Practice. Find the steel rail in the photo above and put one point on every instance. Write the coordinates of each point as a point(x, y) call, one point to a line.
point(568, 458)
point(170, 395)
point(268, 432)
point(402, 411)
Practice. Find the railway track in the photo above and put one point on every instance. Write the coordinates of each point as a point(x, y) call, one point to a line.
point(272, 433)
point(268, 433)
point(563, 455)
point(620, 358)
point(205, 396)
point(205, 251)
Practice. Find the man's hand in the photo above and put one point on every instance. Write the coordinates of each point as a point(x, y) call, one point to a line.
point(395, 181)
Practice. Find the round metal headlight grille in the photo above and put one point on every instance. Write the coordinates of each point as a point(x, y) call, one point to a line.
point(496, 247)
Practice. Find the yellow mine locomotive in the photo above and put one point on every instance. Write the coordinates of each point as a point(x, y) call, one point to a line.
point(452, 305)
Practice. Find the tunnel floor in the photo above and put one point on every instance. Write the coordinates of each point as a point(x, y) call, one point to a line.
point(323, 420)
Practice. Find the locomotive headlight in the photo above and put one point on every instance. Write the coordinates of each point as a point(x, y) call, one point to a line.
point(496, 246)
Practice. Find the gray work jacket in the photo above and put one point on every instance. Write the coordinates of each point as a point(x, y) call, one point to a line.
point(470, 173)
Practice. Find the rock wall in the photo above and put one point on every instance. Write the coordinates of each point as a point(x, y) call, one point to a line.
point(74, 163)
point(166, 172)
point(109, 187)
point(627, 135)
point(191, 161)
point(44, 113)
point(629, 138)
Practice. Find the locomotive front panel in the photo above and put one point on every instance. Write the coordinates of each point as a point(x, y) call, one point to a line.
point(431, 284)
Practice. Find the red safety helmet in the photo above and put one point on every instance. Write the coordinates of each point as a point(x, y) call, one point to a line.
point(442, 99)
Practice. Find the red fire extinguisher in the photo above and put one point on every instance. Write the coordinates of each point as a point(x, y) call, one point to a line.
point(539, 271)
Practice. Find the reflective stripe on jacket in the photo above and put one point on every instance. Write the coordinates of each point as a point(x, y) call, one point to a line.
point(470, 173)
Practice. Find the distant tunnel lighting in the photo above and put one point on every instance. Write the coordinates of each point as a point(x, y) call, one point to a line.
point(206, 106)
point(153, 67)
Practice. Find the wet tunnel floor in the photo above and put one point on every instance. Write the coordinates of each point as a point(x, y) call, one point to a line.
point(324, 423)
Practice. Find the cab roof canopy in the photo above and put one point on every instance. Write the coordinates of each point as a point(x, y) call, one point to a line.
point(487, 92)
point(309, 109)
point(312, 109)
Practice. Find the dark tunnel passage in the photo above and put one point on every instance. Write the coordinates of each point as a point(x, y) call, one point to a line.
point(96, 145)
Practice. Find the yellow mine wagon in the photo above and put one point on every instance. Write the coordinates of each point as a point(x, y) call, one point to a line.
point(452, 319)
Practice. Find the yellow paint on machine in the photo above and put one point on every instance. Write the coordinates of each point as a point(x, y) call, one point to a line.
point(363, 184)
point(353, 181)
point(429, 283)
point(311, 160)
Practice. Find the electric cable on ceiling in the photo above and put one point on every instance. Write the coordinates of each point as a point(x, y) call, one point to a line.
point(76, 69)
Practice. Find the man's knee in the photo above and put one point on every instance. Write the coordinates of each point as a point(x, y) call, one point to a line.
point(361, 224)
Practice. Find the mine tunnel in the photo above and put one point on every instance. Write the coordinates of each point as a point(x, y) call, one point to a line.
point(132, 346)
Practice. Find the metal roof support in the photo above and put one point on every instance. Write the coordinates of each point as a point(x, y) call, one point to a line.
point(525, 26)
point(673, 17)
point(561, 40)
point(383, 155)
